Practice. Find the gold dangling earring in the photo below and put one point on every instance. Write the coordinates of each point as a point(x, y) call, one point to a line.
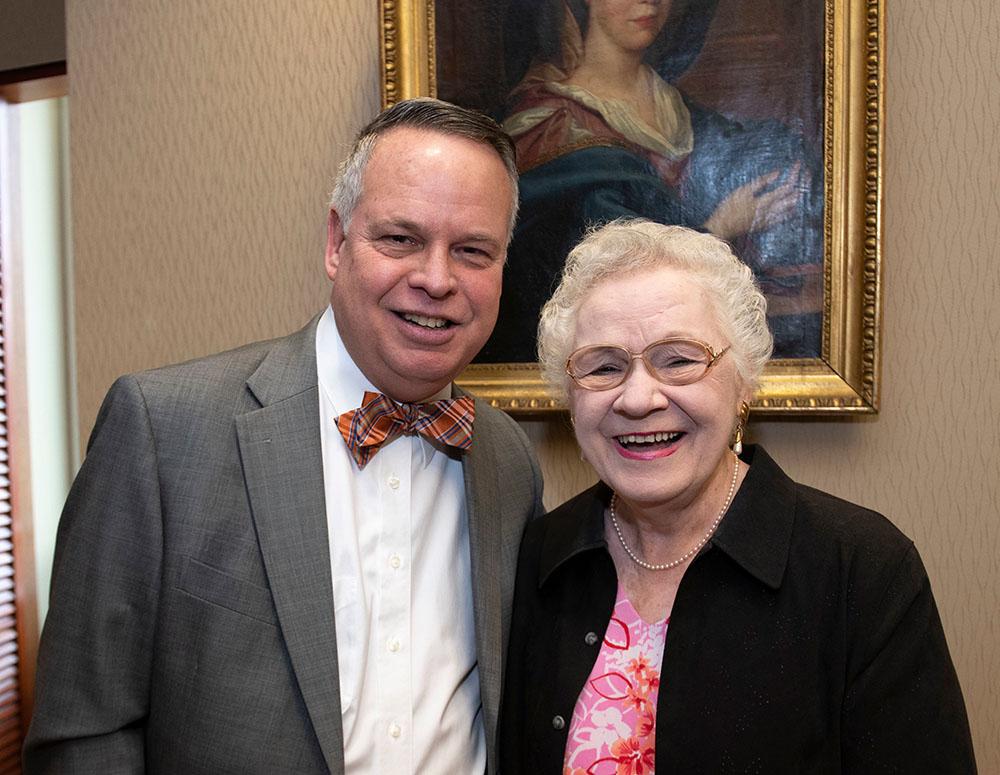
point(740, 425)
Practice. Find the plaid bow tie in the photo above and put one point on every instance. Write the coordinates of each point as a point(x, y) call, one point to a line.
point(380, 420)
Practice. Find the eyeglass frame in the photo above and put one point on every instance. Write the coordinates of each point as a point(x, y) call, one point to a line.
point(713, 357)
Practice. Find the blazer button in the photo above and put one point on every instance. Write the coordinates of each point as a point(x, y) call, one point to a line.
point(558, 722)
point(590, 638)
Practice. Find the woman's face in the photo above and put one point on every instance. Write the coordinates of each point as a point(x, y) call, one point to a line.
point(631, 25)
point(616, 428)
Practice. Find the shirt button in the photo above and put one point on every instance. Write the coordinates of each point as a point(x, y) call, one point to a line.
point(558, 722)
point(393, 482)
point(395, 730)
point(393, 645)
point(590, 638)
point(396, 562)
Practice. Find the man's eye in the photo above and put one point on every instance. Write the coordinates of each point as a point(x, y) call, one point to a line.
point(476, 255)
point(396, 244)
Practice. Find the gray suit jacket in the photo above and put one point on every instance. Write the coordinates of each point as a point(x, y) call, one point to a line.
point(191, 625)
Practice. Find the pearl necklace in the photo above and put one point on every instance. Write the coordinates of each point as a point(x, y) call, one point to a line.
point(695, 549)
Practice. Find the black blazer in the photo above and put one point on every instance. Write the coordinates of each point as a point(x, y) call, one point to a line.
point(804, 638)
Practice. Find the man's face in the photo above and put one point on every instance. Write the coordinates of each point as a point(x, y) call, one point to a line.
point(416, 277)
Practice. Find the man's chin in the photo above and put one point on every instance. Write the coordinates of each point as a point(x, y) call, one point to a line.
point(417, 384)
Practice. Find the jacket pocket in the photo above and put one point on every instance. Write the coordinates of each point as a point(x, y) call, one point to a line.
point(210, 585)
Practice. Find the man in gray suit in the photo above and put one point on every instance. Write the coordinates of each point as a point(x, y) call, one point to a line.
point(290, 557)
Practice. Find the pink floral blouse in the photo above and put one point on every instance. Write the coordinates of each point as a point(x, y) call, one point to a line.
point(614, 721)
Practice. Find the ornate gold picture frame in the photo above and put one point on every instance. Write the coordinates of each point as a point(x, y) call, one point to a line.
point(425, 47)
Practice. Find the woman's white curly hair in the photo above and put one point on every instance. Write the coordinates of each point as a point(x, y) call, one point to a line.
point(626, 247)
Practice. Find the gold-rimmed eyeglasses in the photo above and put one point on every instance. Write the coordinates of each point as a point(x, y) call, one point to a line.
point(671, 361)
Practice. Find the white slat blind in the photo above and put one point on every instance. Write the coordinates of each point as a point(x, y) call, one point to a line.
point(10, 679)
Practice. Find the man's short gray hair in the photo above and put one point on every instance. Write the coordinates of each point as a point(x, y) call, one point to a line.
point(625, 247)
point(434, 116)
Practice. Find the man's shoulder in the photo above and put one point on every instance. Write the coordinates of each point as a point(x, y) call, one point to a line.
point(494, 418)
point(498, 437)
point(497, 428)
point(235, 364)
point(223, 376)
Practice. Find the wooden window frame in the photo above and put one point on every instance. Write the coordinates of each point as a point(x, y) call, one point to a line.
point(19, 625)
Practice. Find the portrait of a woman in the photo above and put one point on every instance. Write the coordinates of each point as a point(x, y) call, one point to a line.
point(602, 132)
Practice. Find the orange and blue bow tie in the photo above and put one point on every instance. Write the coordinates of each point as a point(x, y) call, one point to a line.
point(380, 420)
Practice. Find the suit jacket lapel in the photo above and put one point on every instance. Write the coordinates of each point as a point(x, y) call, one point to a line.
point(283, 466)
point(482, 492)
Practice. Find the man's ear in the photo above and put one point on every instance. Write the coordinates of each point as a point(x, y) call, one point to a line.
point(334, 243)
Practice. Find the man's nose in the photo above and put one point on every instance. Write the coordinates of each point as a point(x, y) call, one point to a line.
point(435, 272)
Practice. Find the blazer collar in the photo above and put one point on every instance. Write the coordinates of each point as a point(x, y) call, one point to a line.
point(282, 459)
point(288, 369)
point(756, 532)
point(574, 528)
point(486, 540)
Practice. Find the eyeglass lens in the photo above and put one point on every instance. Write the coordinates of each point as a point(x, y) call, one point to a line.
point(677, 362)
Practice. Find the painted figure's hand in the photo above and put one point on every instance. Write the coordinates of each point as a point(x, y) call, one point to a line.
point(758, 205)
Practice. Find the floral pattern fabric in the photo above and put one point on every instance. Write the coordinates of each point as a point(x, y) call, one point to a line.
point(613, 730)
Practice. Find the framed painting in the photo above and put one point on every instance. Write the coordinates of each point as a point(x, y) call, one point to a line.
point(757, 120)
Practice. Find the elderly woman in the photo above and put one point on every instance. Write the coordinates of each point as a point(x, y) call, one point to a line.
point(697, 611)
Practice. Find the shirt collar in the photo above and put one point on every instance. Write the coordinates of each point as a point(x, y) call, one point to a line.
point(755, 533)
point(340, 379)
point(574, 528)
point(339, 376)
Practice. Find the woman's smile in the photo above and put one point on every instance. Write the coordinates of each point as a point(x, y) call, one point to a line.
point(648, 446)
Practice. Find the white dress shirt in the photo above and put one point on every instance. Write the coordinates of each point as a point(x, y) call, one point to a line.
point(402, 590)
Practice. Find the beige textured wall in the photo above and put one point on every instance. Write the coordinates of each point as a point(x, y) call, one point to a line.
point(203, 139)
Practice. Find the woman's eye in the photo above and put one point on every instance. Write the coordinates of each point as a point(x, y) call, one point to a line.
point(605, 369)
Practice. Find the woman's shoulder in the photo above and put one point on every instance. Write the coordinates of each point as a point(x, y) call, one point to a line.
point(809, 539)
point(822, 516)
point(822, 521)
point(573, 510)
point(836, 538)
point(577, 522)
